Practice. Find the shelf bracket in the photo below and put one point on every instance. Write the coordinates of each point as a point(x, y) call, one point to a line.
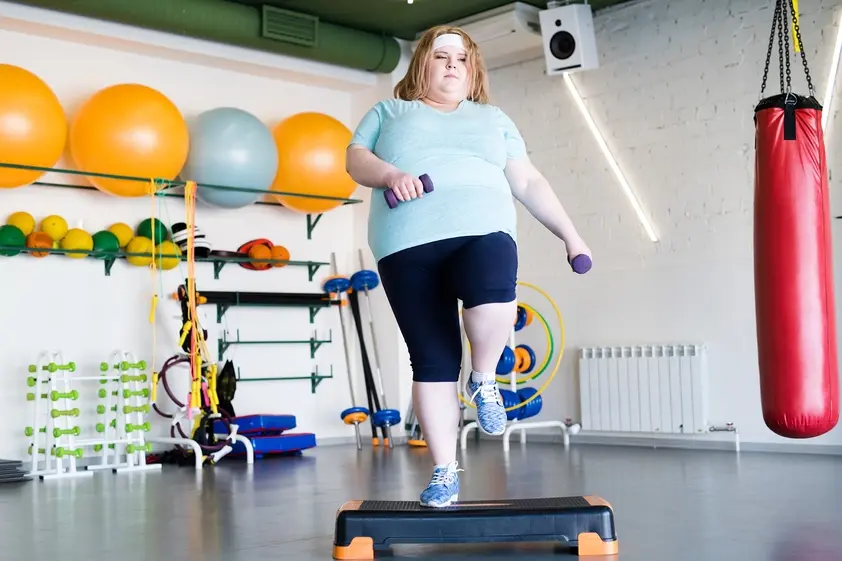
point(220, 311)
point(315, 344)
point(311, 270)
point(110, 263)
point(311, 224)
point(217, 268)
point(313, 311)
point(224, 345)
point(316, 378)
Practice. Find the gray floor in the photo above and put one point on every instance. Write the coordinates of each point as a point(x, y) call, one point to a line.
point(670, 505)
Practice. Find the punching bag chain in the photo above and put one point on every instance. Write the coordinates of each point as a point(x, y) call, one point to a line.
point(795, 21)
point(780, 23)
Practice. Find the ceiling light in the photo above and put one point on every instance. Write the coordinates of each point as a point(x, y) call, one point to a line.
point(831, 77)
point(612, 162)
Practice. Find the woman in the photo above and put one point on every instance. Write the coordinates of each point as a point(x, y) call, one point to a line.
point(455, 243)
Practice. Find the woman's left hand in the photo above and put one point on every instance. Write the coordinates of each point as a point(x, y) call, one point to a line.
point(576, 247)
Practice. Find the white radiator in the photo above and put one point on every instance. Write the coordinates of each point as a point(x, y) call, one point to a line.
point(644, 389)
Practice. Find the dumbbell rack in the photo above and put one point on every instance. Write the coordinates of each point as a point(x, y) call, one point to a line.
point(61, 447)
point(59, 450)
point(126, 394)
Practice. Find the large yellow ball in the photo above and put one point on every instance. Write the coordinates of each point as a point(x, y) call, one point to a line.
point(130, 130)
point(33, 127)
point(311, 161)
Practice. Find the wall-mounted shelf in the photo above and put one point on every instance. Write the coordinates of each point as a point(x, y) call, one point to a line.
point(314, 377)
point(314, 342)
point(314, 309)
point(109, 258)
point(167, 188)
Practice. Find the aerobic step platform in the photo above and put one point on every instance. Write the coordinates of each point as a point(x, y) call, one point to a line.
point(583, 523)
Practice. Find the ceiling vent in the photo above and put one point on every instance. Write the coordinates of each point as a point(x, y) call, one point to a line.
point(290, 27)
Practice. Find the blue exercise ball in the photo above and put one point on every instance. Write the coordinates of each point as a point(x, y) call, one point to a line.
point(231, 148)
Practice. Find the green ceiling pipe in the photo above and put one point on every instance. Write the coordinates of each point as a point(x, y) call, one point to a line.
point(239, 25)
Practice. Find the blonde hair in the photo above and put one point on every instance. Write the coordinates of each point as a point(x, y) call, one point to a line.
point(414, 84)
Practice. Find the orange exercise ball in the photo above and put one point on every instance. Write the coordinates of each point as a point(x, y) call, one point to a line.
point(311, 160)
point(130, 130)
point(33, 127)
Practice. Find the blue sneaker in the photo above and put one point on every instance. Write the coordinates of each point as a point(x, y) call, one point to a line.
point(491, 414)
point(443, 489)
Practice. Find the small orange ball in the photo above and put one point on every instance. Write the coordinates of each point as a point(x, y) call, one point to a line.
point(260, 251)
point(280, 253)
point(39, 240)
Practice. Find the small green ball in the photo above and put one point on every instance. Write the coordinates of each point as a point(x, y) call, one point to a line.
point(153, 229)
point(105, 241)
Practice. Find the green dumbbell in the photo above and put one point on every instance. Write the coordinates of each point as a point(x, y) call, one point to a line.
point(104, 393)
point(129, 378)
point(145, 427)
point(136, 448)
point(56, 413)
point(140, 365)
point(75, 431)
point(100, 427)
point(141, 393)
point(62, 452)
point(70, 367)
point(135, 409)
point(31, 431)
point(56, 395)
point(40, 450)
point(31, 396)
point(101, 409)
point(98, 447)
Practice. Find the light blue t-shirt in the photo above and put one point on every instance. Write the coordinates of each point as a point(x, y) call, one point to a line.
point(464, 152)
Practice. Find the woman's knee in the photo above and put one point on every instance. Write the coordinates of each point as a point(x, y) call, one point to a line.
point(486, 271)
point(439, 371)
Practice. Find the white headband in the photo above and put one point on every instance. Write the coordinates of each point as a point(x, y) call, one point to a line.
point(451, 39)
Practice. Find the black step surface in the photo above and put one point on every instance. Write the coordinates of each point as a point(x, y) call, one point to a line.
point(560, 519)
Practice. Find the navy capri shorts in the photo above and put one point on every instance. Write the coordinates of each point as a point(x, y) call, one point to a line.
point(425, 283)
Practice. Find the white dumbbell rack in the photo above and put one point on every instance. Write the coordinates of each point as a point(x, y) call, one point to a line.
point(56, 454)
point(50, 457)
point(124, 404)
point(516, 425)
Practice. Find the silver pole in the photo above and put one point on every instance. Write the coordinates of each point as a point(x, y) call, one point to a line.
point(347, 354)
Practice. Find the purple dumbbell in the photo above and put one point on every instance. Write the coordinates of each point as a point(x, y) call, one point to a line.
point(580, 264)
point(393, 201)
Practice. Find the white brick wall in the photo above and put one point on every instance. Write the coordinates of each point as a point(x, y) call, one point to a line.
point(674, 98)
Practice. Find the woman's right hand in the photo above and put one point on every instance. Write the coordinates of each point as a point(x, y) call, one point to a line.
point(405, 186)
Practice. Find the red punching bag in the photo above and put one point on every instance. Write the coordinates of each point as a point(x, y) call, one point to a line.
point(793, 262)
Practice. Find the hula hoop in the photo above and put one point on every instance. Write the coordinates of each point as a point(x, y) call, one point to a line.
point(557, 362)
point(502, 379)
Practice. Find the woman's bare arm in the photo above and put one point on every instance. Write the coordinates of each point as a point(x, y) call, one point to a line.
point(368, 170)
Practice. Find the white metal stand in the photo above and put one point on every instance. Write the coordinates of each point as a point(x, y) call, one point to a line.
point(198, 453)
